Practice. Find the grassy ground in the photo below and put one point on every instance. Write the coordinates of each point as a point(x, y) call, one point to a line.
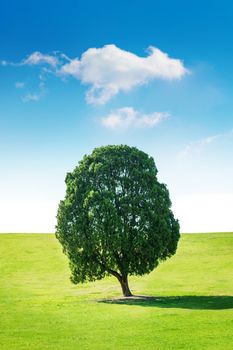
point(191, 305)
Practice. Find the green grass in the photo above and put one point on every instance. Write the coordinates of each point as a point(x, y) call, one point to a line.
point(190, 304)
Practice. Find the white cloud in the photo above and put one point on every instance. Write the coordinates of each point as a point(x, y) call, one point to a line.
point(19, 85)
point(37, 58)
point(36, 96)
point(109, 70)
point(31, 97)
point(199, 145)
point(128, 117)
point(71, 68)
point(8, 63)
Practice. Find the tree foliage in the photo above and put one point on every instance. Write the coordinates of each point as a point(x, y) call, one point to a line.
point(116, 217)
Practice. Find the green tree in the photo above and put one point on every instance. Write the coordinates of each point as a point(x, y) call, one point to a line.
point(116, 217)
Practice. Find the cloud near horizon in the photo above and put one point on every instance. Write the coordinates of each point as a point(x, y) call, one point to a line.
point(127, 117)
point(199, 145)
point(109, 70)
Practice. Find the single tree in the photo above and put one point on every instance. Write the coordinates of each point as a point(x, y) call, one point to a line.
point(116, 217)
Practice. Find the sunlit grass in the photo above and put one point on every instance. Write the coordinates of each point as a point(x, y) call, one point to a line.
point(187, 302)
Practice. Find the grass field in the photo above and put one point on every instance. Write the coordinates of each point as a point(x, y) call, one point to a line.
point(191, 308)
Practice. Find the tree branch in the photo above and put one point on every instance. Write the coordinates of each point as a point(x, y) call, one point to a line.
point(115, 273)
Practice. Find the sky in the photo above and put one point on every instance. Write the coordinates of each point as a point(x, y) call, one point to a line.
point(77, 75)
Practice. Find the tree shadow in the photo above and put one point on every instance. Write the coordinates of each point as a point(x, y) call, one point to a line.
point(194, 302)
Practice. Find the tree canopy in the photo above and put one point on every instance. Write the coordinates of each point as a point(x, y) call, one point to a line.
point(116, 217)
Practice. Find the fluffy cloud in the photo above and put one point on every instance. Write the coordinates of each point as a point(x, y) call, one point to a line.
point(128, 117)
point(38, 58)
point(109, 70)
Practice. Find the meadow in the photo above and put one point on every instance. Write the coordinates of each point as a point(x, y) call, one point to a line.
point(189, 303)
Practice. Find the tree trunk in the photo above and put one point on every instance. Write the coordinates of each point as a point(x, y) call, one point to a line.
point(125, 286)
point(123, 281)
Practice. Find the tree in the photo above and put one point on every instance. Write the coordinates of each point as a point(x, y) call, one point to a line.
point(116, 217)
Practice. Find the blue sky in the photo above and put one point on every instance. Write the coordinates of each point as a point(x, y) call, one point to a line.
point(81, 74)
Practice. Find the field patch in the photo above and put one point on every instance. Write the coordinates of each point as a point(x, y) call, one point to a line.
point(186, 303)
